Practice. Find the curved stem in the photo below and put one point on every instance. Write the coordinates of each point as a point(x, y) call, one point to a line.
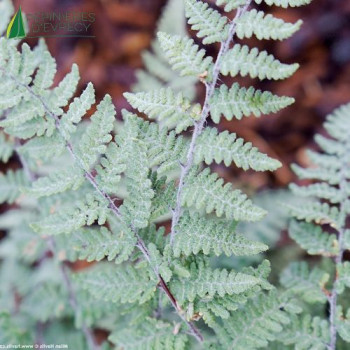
point(198, 126)
point(339, 258)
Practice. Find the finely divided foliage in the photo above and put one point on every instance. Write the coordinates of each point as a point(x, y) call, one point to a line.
point(74, 174)
point(321, 228)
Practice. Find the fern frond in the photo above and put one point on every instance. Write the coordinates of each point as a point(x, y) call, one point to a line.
point(158, 68)
point(184, 55)
point(9, 53)
point(91, 310)
point(258, 323)
point(297, 278)
point(67, 221)
point(237, 102)
point(335, 122)
point(159, 263)
point(206, 283)
point(306, 333)
point(195, 234)
point(244, 61)
point(24, 111)
point(10, 185)
point(313, 239)
point(43, 148)
point(332, 172)
point(172, 19)
point(330, 162)
point(36, 126)
point(72, 178)
point(65, 90)
point(77, 109)
point(97, 244)
point(206, 191)
point(158, 73)
point(222, 307)
point(10, 332)
point(28, 64)
point(72, 337)
point(264, 26)
point(28, 244)
point(50, 299)
point(155, 236)
point(151, 334)
point(269, 228)
point(330, 176)
point(130, 168)
point(64, 247)
point(320, 213)
point(110, 168)
point(45, 75)
point(319, 190)
point(165, 150)
point(170, 109)
point(137, 206)
point(122, 283)
point(208, 22)
point(330, 146)
point(343, 325)
point(93, 142)
point(164, 197)
point(225, 147)
point(8, 100)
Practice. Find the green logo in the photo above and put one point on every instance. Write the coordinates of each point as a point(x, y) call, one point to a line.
point(16, 26)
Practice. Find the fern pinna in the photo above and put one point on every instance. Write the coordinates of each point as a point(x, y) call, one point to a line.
point(74, 172)
point(321, 227)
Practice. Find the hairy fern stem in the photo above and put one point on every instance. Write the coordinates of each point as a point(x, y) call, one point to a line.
point(198, 127)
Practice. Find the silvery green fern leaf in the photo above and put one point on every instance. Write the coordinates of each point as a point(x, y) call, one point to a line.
point(197, 234)
point(311, 238)
point(237, 102)
point(264, 26)
point(244, 61)
point(308, 284)
point(208, 22)
point(207, 191)
point(168, 108)
point(225, 147)
point(184, 55)
point(118, 284)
